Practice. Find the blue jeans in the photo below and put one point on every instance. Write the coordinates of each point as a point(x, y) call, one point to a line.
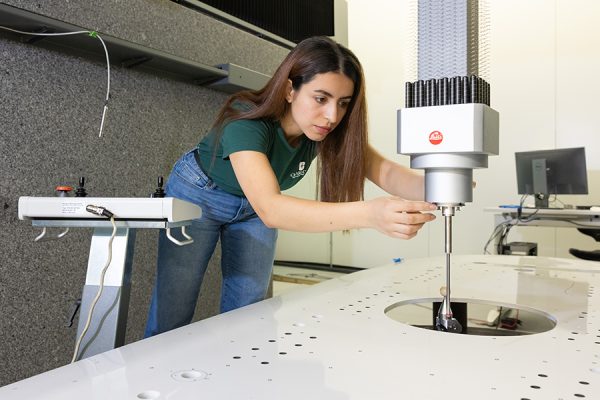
point(247, 251)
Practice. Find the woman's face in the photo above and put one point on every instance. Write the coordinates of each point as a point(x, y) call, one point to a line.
point(318, 106)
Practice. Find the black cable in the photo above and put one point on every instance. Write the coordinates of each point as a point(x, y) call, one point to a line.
point(497, 230)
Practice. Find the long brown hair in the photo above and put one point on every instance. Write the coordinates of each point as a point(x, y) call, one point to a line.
point(342, 155)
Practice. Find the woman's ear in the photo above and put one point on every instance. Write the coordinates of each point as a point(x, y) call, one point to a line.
point(289, 91)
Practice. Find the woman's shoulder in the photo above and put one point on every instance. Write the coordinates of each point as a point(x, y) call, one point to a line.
point(243, 106)
point(246, 124)
point(246, 133)
point(265, 125)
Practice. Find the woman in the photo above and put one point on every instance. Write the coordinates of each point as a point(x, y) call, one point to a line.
point(262, 143)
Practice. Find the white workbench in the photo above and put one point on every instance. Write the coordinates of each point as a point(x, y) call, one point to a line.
point(334, 341)
point(552, 217)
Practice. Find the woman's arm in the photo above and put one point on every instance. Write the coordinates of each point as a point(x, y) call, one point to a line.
point(392, 216)
point(395, 178)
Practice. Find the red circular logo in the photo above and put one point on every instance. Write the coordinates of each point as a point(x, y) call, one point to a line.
point(436, 137)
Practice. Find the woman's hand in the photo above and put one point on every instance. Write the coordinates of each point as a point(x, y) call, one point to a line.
point(399, 218)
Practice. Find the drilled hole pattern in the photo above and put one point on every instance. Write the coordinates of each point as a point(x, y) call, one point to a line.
point(308, 337)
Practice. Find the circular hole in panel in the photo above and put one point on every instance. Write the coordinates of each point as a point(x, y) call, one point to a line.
point(149, 394)
point(472, 315)
point(188, 375)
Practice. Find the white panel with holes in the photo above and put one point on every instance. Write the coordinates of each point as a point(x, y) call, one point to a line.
point(340, 340)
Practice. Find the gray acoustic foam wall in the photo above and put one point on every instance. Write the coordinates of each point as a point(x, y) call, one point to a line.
point(50, 108)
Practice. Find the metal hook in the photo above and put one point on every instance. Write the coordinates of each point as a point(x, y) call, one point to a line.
point(42, 236)
point(180, 242)
point(183, 232)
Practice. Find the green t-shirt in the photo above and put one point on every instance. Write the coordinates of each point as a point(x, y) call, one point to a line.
point(263, 135)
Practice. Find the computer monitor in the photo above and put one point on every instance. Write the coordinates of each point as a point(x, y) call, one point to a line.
point(545, 172)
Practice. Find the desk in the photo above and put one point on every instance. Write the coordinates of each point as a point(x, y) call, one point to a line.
point(558, 218)
point(334, 341)
point(108, 322)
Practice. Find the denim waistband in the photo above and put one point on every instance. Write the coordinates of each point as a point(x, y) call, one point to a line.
point(198, 161)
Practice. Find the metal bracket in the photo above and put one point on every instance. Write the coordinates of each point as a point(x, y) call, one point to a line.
point(180, 242)
point(42, 236)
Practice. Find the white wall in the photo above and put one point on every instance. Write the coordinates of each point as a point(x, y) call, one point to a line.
point(543, 64)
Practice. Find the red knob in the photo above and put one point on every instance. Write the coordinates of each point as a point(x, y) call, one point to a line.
point(63, 190)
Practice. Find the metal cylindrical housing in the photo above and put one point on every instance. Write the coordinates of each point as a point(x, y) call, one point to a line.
point(408, 95)
point(428, 93)
point(475, 89)
point(449, 160)
point(448, 244)
point(442, 91)
point(449, 186)
point(420, 90)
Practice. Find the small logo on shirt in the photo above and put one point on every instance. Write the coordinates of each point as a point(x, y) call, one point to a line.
point(300, 171)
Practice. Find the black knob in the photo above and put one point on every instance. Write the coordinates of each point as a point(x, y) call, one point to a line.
point(159, 192)
point(80, 192)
